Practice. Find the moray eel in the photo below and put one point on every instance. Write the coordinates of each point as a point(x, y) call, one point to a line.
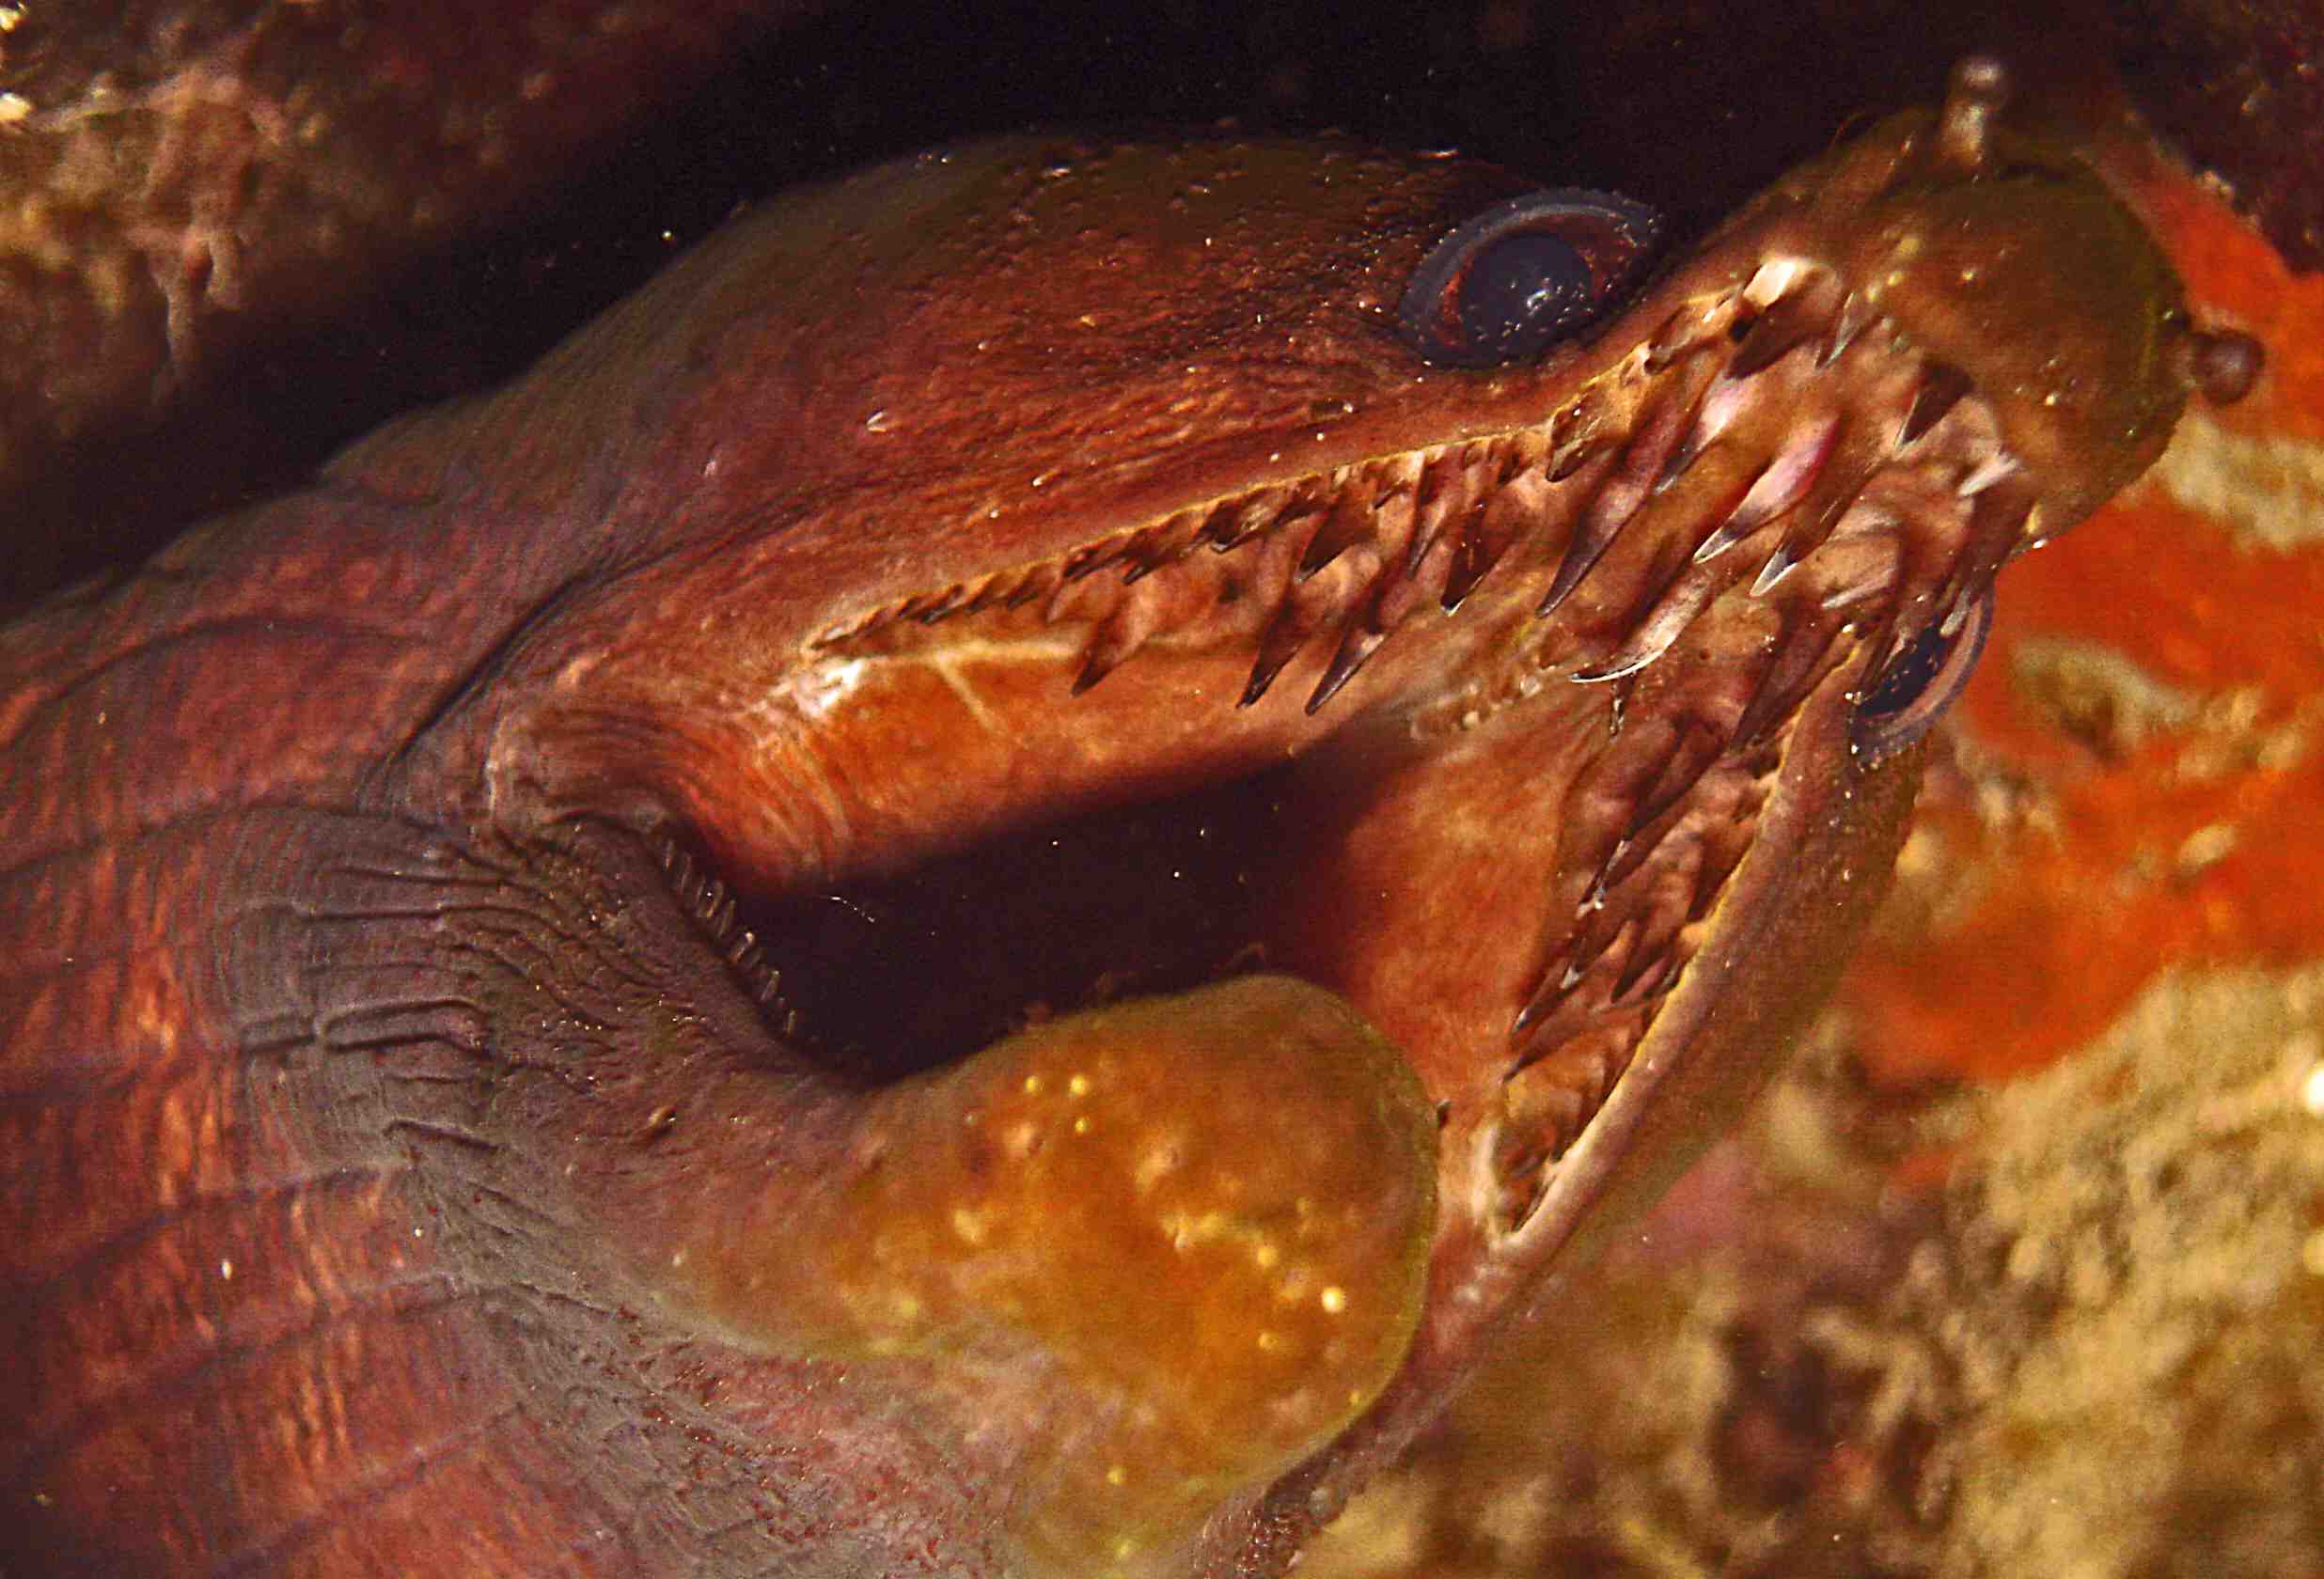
point(975, 889)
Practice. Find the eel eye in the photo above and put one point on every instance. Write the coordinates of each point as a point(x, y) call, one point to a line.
point(1524, 275)
point(1920, 682)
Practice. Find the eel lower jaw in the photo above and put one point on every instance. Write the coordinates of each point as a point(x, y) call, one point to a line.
point(1142, 1262)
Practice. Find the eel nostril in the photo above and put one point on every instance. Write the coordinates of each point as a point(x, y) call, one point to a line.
point(1976, 96)
point(2221, 365)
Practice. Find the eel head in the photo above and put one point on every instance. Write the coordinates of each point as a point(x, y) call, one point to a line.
point(1154, 771)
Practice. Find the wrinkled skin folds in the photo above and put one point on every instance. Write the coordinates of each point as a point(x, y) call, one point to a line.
point(439, 1144)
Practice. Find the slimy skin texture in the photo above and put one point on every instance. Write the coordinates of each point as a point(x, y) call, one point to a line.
point(1211, 1213)
point(420, 1162)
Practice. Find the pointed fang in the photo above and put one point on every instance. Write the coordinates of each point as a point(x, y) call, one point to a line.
point(1359, 645)
point(1942, 387)
point(1779, 564)
point(1617, 501)
point(1854, 318)
point(1274, 653)
point(1781, 486)
point(1992, 469)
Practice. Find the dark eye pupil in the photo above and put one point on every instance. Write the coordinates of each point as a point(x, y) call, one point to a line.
point(1519, 292)
point(1907, 678)
point(1921, 682)
point(1523, 275)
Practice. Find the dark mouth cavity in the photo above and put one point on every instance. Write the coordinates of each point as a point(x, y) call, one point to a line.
point(883, 977)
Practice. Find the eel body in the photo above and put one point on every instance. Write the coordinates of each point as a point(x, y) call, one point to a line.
point(974, 890)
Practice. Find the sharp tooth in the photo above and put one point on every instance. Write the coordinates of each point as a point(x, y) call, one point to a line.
point(1660, 620)
point(1538, 1006)
point(1087, 562)
point(1559, 976)
point(1116, 640)
point(1775, 335)
point(1854, 318)
point(1779, 564)
point(1680, 330)
point(1581, 959)
point(1783, 484)
point(1848, 597)
point(1487, 532)
point(1159, 547)
point(1346, 524)
point(1650, 981)
point(1359, 645)
point(1768, 702)
point(1684, 454)
point(1276, 648)
point(1882, 644)
point(1808, 529)
point(1401, 595)
point(1617, 501)
point(1721, 401)
point(1041, 581)
point(1698, 746)
point(1800, 651)
point(1440, 498)
point(1996, 524)
point(1992, 469)
point(989, 591)
point(1586, 956)
point(1940, 389)
point(1572, 457)
point(1605, 878)
point(1143, 563)
point(1093, 671)
point(1468, 561)
point(1626, 662)
point(940, 604)
point(1237, 520)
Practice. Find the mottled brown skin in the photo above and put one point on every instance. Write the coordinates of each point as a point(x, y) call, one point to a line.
point(362, 1069)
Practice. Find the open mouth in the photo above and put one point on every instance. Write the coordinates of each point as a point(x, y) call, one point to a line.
point(1653, 579)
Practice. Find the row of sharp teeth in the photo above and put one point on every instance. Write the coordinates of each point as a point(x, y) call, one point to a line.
point(711, 907)
point(1581, 1052)
point(1364, 549)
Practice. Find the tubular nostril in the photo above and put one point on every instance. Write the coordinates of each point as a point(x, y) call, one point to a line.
point(2221, 365)
point(1974, 97)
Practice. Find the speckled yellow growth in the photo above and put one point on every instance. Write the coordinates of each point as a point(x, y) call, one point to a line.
point(1199, 1225)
